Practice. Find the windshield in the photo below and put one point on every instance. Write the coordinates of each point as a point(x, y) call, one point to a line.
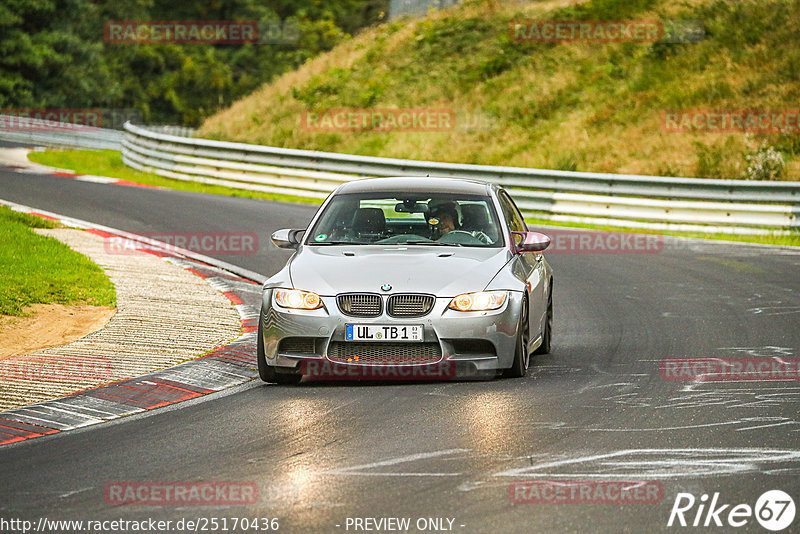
point(403, 218)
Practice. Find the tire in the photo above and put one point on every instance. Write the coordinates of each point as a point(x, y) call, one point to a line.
point(547, 335)
point(287, 379)
point(267, 373)
point(521, 356)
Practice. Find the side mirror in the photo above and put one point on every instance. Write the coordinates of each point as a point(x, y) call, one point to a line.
point(529, 241)
point(286, 238)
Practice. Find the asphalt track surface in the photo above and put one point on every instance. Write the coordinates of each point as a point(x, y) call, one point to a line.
point(595, 409)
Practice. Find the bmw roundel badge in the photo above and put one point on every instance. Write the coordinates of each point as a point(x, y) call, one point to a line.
point(386, 287)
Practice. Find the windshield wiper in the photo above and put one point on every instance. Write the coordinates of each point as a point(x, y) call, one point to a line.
point(431, 243)
point(426, 243)
point(337, 243)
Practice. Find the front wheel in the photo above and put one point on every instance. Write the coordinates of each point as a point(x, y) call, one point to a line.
point(547, 335)
point(267, 373)
point(521, 356)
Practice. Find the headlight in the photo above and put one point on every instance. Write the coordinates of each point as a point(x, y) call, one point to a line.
point(480, 301)
point(298, 300)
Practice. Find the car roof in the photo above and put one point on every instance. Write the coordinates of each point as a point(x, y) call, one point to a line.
point(423, 184)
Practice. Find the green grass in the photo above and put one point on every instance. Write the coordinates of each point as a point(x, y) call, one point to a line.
point(42, 270)
point(109, 163)
point(790, 240)
point(573, 105)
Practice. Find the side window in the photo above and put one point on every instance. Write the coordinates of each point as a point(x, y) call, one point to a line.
point(511, 214)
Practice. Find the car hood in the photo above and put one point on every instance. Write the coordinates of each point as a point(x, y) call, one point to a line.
point(441, 271)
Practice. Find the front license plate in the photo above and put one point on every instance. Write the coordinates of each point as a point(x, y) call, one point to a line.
point(376, 332)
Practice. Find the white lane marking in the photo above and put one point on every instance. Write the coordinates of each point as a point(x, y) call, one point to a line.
point(70, 493)
point(768, 422)
point(85, 410)
point(769, 425)
point(368, 474)
point(469, 486)
point(96, 179)
point(359, 469)
point(85, 418)
point(780, 422)
point(765, 351)
point(658, 429)
point(246, 311)
point(656, 464)
point(774, 310)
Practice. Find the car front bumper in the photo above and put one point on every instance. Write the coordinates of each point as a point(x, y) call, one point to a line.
point(481, 342)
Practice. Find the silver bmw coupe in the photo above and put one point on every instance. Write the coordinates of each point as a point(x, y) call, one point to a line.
point(408, 278)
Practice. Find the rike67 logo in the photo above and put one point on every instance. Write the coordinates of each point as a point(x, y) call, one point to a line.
point(774, 510)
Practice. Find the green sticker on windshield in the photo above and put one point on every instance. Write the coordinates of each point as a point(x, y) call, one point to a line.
point(320, 237)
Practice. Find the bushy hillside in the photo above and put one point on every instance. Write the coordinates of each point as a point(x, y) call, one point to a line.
point(57, 54)
point(567, 105)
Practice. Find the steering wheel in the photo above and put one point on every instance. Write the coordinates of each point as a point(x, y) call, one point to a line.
point(461, 237)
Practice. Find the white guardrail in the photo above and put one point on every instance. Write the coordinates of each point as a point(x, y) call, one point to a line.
point(59, 134)
point(685, 204)
point(47, 132)
point(655, 202)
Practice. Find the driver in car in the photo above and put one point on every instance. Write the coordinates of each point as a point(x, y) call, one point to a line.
point(446, 217)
